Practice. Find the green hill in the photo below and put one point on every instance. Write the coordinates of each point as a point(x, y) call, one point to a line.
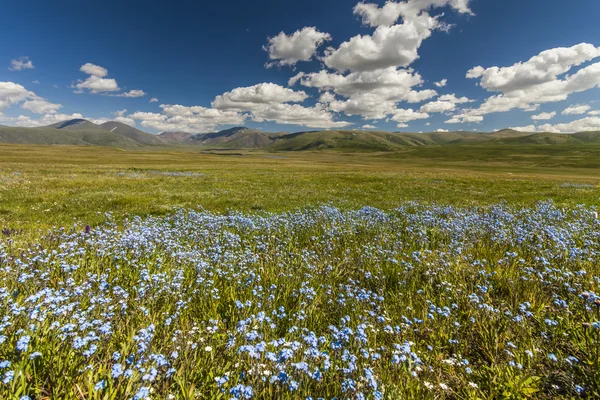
point(116, 134)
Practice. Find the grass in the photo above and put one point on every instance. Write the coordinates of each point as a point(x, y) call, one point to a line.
point(476, 291)
point(42, 186)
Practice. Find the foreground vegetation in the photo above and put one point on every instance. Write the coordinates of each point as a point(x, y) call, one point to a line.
point(177, 274)
point(44, 186)
point(417, 302)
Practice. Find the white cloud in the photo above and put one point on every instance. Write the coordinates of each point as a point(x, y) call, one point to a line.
point(256, 97)
point(464, 119)
point(48, 119)
point(444, 104)
point(580, 125)
point(387, 15)
point(326, 98)
point(94, 70)
point(528, 128)
point(194, 119)
point(12, 93)
point(441, 83)
point(540, 69)
point(389, 84)
point(96, 82)
point(402, 116)
point(39, 105)
point(132, 93)
point(440, 130)
point(294, 79)
point(576, 110)
point(154, 100)
point(543, 116)
point(538, 80)
point(20, 64)
point(369, 127)
point(120, 117)
point(295, 114)
point(300, 46)
point(594, 112)
point(390, 45)
point(369, 106)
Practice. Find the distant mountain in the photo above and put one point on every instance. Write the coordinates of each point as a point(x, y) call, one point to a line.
point(175, 137)
point(74, 125)
point(132, 133)
point(116, 134)
point(235, 138)
point(85, 137)
point(80, 132)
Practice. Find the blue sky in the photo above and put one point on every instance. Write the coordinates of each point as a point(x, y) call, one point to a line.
point(211, 65)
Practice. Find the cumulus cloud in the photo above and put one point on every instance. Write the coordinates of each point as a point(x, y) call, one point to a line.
point(444, 104)
point(373, 15)
point(369, 127)
point(154, 100)
point(543, 116)
point(39, 105)
point(120, 117)
point(527, 128)
point(132, 93)
point(294, 79)
point(12, 93)
point(295, 114)
point(464, 119)
point(261, 102)
point(95, 70)
point(20, 64)
point(541, 79)
point(576, 110)
point(300, 46)
point(391, 44)
point(48, 119)
point(580, 125)
point(402, 116)
point(440, 130)
point(370, 94)
point(441, 83)
point(96, 82)
point(257, 96)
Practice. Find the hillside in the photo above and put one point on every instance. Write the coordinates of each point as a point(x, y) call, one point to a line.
point(80, 132)
point(53, 136)
point(116, 134)
point(235, 138)
point(131, 133)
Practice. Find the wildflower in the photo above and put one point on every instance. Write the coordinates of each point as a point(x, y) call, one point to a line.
point(101, 385)
point(23, 343)
point(142, 393)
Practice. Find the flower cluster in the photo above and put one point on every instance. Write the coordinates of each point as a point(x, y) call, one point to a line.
point(421, 301)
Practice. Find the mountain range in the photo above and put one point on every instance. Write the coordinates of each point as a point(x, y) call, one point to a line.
point(116, 134)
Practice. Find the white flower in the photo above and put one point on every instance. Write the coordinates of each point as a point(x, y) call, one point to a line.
point(208, 349)
point(473, 385)
point(444, 386)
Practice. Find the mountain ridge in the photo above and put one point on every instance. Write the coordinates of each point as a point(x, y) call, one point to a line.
point(117, 134)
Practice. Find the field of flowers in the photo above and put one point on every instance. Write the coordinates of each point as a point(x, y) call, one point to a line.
point(421, 301)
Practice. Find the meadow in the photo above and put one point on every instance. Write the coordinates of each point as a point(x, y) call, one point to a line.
point(465, 273)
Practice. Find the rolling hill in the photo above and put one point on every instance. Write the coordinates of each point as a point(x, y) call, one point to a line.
point(116, 134)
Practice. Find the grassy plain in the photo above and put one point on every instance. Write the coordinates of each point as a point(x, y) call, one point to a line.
point(41, 186)
point(422, 302)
